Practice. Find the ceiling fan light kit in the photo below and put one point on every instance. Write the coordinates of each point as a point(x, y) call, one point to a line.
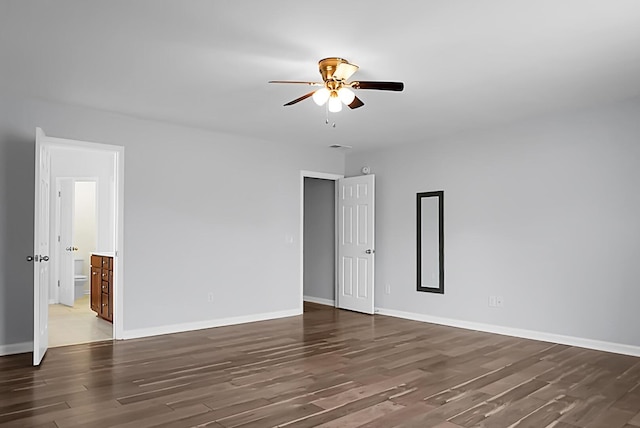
point(346, 95)
point(335, 89)
point(321, 96)
point(335, 104)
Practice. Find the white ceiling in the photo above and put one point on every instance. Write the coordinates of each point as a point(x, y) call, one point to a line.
point(466, 64)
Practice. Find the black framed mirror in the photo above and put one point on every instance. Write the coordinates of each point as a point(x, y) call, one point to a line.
point(430, 237)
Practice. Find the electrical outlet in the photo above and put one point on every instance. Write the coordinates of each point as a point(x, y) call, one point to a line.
point(387, 289)
point(210, 297)
point(493, 301)
point(499, 301)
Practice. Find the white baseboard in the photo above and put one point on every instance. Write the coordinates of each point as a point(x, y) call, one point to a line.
point(319, 300)
point(16, 348)
point(617, 348)
point(200, 325)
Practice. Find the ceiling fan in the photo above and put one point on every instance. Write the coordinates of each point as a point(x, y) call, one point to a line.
point(335, 88)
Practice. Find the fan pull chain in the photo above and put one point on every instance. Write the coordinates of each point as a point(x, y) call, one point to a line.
point(326, 119)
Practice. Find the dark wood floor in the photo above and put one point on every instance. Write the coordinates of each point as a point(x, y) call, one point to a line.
point(327, 368)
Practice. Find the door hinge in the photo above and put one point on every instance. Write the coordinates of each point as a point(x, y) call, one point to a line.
point(58, 238)
point(59, 194)
point(58, 283)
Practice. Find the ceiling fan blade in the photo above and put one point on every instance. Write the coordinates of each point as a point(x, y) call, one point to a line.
point(297, 82)
point(302, 98)
point(344, 70)
point(381, 86)
point(357, 102)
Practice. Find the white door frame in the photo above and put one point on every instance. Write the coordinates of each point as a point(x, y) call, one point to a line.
point(325, 176)
point(118, 152)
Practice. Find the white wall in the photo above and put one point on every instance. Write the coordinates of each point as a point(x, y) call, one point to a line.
point(544, 213)
point(319, 238)
point(204, 213)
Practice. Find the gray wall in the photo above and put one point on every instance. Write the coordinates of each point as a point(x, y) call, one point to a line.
point(319, 238)
point(545, 213)
point(204, 213)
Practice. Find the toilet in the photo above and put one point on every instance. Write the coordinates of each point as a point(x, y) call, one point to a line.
point(78, 278)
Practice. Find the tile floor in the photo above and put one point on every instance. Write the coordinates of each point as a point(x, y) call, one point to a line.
point(77, 324)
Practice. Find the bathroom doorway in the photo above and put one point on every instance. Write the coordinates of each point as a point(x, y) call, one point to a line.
point(71, 319)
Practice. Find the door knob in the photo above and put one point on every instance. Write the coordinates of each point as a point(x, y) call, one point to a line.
point(370, 251)
point(38, 258)
point(71, 248)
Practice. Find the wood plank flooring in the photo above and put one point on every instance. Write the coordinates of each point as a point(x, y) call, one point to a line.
point(327, 368)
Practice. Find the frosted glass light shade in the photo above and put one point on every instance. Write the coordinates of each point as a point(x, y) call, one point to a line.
point(321, 96)
point(335, 105)
point(346, 95)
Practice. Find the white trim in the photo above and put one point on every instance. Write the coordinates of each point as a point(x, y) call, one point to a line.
point(325, 176)
point(599, 345)
point(200, 325)
point(16, 348)
point(322, 175)
point(320, 301)
point(118, 268)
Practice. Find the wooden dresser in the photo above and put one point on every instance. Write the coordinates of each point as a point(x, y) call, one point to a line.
point(102, 286)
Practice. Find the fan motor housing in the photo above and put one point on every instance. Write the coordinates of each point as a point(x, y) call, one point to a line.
point(328, 66)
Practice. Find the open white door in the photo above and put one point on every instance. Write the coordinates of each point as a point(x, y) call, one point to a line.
point(66, 196)
point(356, 215)
point(41, 249)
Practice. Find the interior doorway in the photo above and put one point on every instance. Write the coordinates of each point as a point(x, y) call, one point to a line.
point(318, 238)
point(58, 158)
point(76, 223)
point(353, 249)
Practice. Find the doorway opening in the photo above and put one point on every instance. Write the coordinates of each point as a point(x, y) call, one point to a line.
point(354, 245)
point(58, 159)
point(71, 319)
point(318, 238)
